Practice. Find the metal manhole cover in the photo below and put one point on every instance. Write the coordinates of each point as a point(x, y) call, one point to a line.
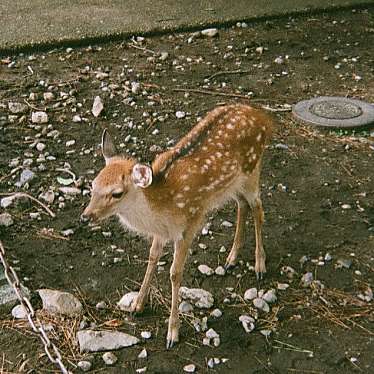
point(330, 111)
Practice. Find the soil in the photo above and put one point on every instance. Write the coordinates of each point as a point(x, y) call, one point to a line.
point(309, 178)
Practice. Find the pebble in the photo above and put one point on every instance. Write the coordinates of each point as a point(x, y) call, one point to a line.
point(248, 323)
point(48, 96)
point(146, 334)
point(164, 56)
point(185, 307)
point(205, 269)
point(211, 32)
point(40, 147)
point(307, 279)
point(279, 60)
point(101, 305)
point(109, 358)
point(126, 301)
point(17, 108)
point(179, 114)
point(344, 263)
point(7, 201)
point(328, 257)
point(282, 286)
point(19, 312)
point(270, 296)
point(143, 354)
point(226, 224)
point(69, 143)
point(141, 370)
point(189, 368)
point(97, 106)
point(6, 220)
point(250, 294)
point(266, 333)
point(55, 301)
point(39, 117)
point(261, 304)
point(26, 176)
point(84, 365)
point(70, 190)
point(260, 50)
point(198, 296)
point(77, 118)
point(220, 270)
point(216, 313)
point(346, 206)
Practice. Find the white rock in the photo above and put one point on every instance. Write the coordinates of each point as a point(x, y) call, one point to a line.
point(19, 312)
point(60, 302)
point(261, 304)
point(70, 190)
point(109, 358)
point(69, 143)
point(211, 334)
point(266, 333)
point(210, 32)
point(77, 118)
point(141, 370)
point(220, 270)
point(7, 201)
point(346, 206)
point(279, 60)
point(6, 219)
point(48, 96)
point(282, 286)
point(135, 87)
point(250, 294)
point(48, 197)
point(189, 368)
point(17, 108)
point(270, 296)
point(198, 296)
point(307, 279)
point(260, 50)
point(39, 117)
point(146, 334)
point(216, 341)
point(84, 365)
point(179, 114)
point(94, 341)
point(100, 304)
point(328, 257)
point(40, 147)
point(226, 224)
point(205, 269)
point(185, 307)
point(206, 341)
point(248, 323)
point(164, 56)
point(26, 176)
point(216, 313)
point(126, 301)
point(97, 106)
point(143, 354)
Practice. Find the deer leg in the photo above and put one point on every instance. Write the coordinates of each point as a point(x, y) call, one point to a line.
point(238, 243)
point(155, 253)
point(176, 273)
point(258, 216)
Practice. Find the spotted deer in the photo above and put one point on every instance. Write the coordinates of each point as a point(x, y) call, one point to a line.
point(217, 161)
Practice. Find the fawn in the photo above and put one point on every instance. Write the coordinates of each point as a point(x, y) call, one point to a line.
point(218, 160)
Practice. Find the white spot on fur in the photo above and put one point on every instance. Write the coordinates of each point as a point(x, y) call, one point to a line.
point(229, 126)
point(181, 205)
point(186, 188)
point(258, 137)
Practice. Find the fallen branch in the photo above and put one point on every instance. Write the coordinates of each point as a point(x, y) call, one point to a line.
point(228, 72)
point(18, 195)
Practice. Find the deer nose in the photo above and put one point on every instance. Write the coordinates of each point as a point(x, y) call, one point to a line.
point(85, 218)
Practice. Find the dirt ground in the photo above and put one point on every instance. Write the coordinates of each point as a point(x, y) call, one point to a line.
point(317, 193)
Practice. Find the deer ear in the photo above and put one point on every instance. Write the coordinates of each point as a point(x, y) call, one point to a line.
point(142, 175)
point(108, 148)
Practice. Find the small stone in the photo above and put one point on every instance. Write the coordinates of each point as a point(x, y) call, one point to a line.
point(261, 304)
point(344, 263)
point(198, 296)
point(205, 269)
point(126, 301)
point(206, 341)
point(270, 296)
point(55, 301)
point(282, 286)
point(109, 358)
point(279, 60)
point(19, 312)
point(101, 305)
point(179, 114)
point(266, 333)
point(226, 224)
point(26, 176)
point(77, 118)
point(164, 56)
point(6, 219)
point(211, 334)
point(220, 270)
point(48, 96)
point(69, 143)
point(282, 146)
point(248, 323)
point(141, 370)
point(17, 108)
point(7, 201)
point(146, 334)
point(216, 341)
point(209, 32)
point(328, 257)
point(216, 313)
point(222, 249)
point(307, 279)
point(210, 363)
point(189, 368)
point(97, 106)
point(84, 365)
point(346, 206)
point(39, 117)
point(143, 354)
point(250, 294)
point(40, 147)
point(185, 307)
point(70, 190)
point(260, 50)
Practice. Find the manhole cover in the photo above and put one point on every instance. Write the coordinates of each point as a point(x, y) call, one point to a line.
point(334, 112)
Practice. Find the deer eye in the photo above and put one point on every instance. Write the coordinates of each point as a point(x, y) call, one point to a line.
point(117, 194)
